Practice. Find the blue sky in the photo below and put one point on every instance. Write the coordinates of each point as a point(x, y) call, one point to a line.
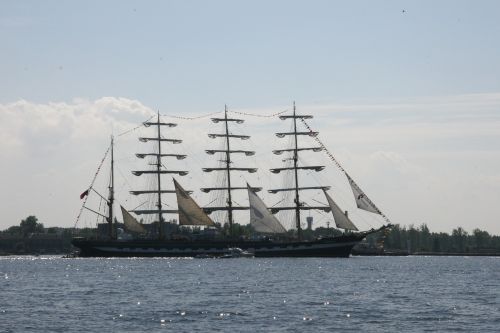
point(196, 55)
point(407, 89)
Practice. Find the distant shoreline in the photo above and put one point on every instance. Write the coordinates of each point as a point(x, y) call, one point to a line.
point(355, 254)
point(434, 254)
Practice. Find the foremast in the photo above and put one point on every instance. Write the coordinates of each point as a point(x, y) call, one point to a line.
point(227, 168)
point(159, 170)
point(295, 150)
point(111, 192)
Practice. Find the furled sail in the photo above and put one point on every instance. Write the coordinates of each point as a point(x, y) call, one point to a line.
point(189, 211)
point(131, 223)
point(341, 219)
point(260, 218)
point(362, 201)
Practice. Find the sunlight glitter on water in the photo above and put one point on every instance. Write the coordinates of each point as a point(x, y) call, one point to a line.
point(211, 294)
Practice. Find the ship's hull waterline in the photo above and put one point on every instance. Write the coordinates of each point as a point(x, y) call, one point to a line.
point(329, 247)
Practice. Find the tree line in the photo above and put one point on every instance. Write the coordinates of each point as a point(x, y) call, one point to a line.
point(411, 239)
point(30, 226)
point(420, 239)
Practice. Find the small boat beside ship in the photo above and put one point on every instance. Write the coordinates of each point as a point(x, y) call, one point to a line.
point(270, 239)
point(236, 252)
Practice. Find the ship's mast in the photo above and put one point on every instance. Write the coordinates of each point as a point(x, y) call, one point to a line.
point(295, 164)
point(111, 193)
point(228, 168)
point(228, 171)
point(298, 206)
point(158, 171)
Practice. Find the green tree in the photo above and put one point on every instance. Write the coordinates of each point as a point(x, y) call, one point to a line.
point(393, 238)
point(481, 238)
point(414, 238)
point(459, 237)
point(425, 238)
point(14, 230)
point(30, 225)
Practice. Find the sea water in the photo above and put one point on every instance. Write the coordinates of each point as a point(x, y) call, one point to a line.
point(358, 294)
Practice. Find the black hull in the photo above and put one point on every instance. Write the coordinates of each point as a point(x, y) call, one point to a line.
point(340, 246)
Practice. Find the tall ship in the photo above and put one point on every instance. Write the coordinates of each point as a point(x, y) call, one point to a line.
point(195, 232)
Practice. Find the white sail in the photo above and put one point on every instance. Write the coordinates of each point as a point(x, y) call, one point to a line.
point(131, 223)
point(362, 201)
point(260, 218)
point(189, 211)
point(341, 219)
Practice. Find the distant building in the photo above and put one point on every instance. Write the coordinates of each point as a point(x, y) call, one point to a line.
point(309, 220)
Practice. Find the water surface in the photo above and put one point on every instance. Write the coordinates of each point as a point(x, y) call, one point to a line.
point(376, 294)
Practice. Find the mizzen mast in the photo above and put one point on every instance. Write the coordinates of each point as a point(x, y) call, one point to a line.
point(159, 170)
point(111, 193)
point(227, 168)
point(295, 150)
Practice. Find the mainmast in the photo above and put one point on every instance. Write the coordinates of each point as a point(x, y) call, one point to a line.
point(228, 168)
point(298, 206)
point(228, 172)
point(158, 171)
point(295, 164)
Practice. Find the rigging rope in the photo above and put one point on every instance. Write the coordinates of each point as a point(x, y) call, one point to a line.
point(133, 129)
point(192, 118)
point(202, 116)
point(165, 115)
point(139, 205)
point(92, 184)
point(338, 190)
point(330, 155)
point(259, 115)
point(208, 115)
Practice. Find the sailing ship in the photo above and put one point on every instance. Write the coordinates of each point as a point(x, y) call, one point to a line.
point(271, 239)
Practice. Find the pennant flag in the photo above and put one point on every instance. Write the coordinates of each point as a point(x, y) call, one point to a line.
point(84, 194)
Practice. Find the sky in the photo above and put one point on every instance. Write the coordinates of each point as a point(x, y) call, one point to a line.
point(405, 94)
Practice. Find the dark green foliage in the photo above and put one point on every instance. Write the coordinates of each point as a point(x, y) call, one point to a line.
point(15, 230)
point(420, 239)
point(30, 225)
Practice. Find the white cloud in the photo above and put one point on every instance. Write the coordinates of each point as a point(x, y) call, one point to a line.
point(433, 160)
point(26, 124)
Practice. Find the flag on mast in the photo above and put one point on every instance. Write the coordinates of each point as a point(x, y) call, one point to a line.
point(84, 194)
